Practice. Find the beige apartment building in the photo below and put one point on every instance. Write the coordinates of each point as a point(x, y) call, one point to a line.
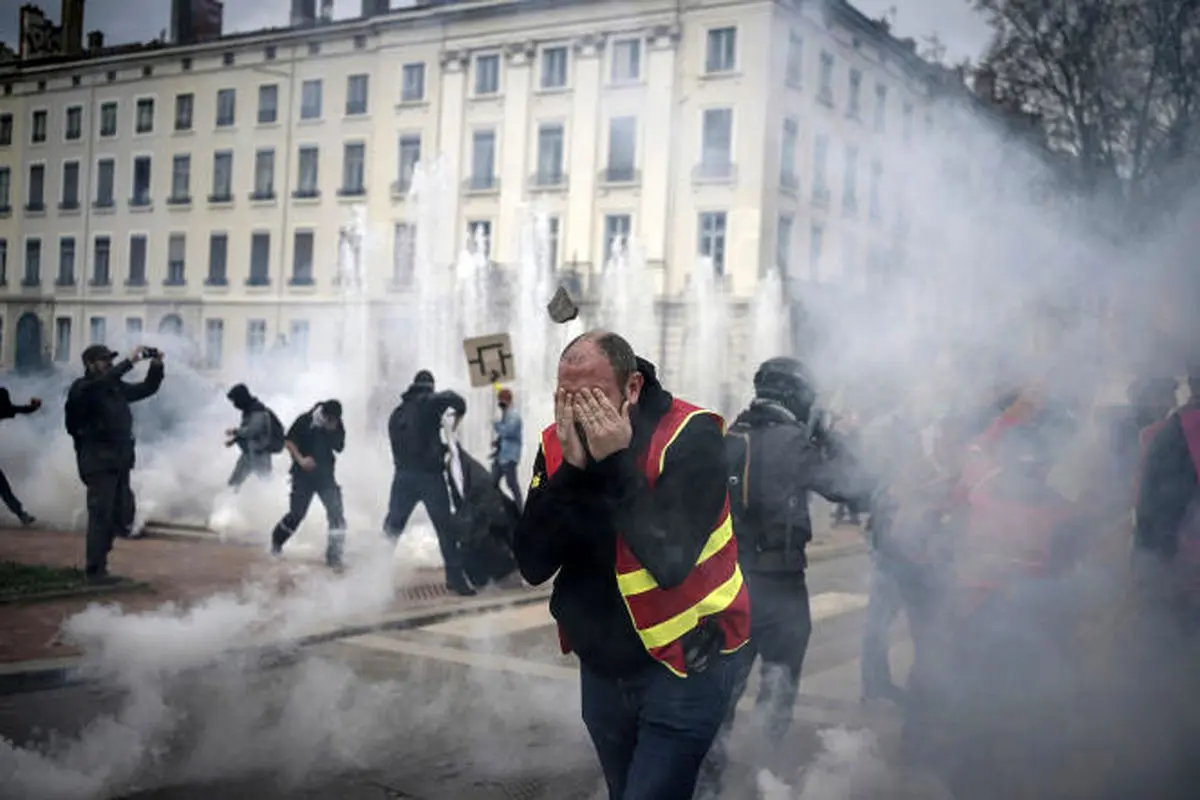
point(204, 189)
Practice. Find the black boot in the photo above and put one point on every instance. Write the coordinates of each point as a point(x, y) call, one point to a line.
point(279, 538)
point(26, 519)
point(457, 583)
point(333, 551)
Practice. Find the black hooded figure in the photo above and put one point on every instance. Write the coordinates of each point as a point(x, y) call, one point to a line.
point(8, 411)
point(313, 442)
point(253, 436)
point(419, 456)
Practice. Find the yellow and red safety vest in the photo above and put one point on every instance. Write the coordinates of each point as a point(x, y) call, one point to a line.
point(713, 589)
point(1004, 541)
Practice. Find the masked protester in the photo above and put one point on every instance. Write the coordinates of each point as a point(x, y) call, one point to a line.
point(8, 411)
point(259, 436)
point(507, 453)
point(419, 457)
point(1167, 528)
point(1010, 604)
point(100, 422)
point(313, 442)
point(628, 511)
point(773, 461)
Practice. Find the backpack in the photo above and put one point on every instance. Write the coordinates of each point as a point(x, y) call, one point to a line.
point(737, 463)
point(278, 434)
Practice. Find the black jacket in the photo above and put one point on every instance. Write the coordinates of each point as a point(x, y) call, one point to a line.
point(570, 524)
point(8, 410)
point(415, 428)
point(1168, 486)
point(320, 444)
point(99, 418)
point(769, 494)
point(485, 519)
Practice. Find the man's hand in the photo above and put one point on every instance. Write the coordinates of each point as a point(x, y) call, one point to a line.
point(307, 463)
point(35, 402)
point(608, 430)
point(136, 355)
point(564, 428)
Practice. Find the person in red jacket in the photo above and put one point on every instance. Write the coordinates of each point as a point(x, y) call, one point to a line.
point(629, 512)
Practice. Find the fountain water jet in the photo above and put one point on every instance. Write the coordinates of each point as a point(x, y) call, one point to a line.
point(627, 299)
point(769, 320)
point(704, 352)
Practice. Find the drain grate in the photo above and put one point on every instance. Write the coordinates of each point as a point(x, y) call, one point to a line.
point(426, 591)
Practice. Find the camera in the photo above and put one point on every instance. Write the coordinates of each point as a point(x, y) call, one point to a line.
point(151, 352)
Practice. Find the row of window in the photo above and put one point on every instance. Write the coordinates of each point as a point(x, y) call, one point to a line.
point(222, 188)
point(715, 164)
point(101, 274)
point(225, 112)
point(785, 230)
point(214, 336)
point(618, 229)
point(789, 179)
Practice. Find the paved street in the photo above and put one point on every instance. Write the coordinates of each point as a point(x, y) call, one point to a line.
point(478, 706)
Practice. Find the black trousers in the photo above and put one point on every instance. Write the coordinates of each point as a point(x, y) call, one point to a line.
point(780, 627)
point(428, 488)
point(10, 499)
point(304, 489)
point(111, 508)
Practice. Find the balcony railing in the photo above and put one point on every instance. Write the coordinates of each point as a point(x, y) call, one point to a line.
point(220, 198)
point(620, 175)
point(352, 191)
point(179, 200)
point(262, 196)
point(65, 281)
point(5, 210)
point(35, 207)
point(714, 171)
point(139, 201)
point(482, 184)
point(68, 205)
point(549, 180)
point(820, 196)
point(306, 194)
point(850, 205)
point(789, 182)
point(104, 202)
point(402, 186)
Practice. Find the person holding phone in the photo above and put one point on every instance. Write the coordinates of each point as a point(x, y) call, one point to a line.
point(99, 419)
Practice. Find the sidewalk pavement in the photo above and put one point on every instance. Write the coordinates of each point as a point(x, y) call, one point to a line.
point(186, 566)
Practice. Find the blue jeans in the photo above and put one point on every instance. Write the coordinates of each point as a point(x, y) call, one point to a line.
point(653, 730)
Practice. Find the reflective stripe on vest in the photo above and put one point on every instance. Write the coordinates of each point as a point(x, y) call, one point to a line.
point(714, 588)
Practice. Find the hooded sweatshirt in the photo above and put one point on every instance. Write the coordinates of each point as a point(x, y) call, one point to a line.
point(415, 427)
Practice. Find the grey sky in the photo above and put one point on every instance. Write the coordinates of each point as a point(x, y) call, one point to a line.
point(963, 31)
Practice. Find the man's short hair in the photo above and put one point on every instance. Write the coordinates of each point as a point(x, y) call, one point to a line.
point(615, 348)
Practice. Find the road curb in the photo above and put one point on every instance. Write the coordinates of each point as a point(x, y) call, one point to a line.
point(32, 676)
point(40, 675)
